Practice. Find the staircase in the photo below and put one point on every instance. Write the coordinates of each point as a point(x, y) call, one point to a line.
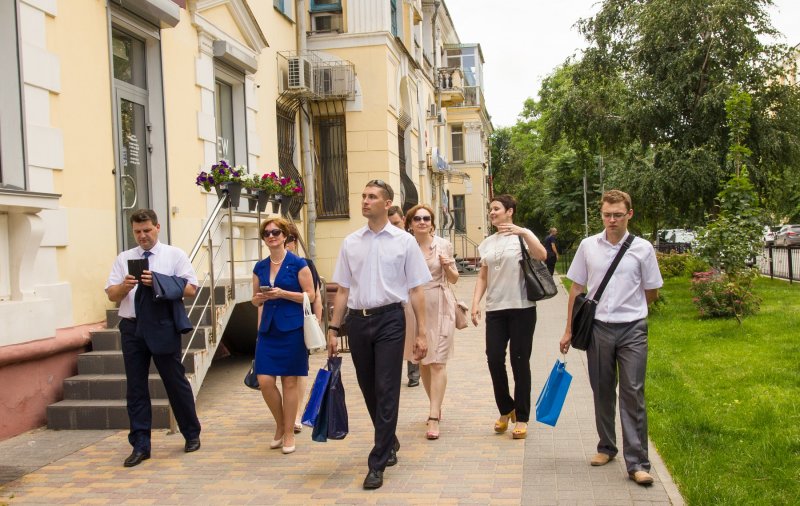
point(95, 398)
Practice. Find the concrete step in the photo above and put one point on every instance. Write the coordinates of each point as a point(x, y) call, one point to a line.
point(108, 386)
point(111, 362)
point(110, 340)
point(74, 414)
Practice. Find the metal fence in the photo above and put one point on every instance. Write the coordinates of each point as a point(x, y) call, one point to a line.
point(780, 262)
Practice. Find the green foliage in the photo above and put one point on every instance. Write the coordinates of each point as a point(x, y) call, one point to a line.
point(674, 265)
point(718, 294)
point(722, 398)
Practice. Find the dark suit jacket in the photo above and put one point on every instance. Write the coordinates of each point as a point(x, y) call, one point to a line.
point(286, 314)
point(160, 320)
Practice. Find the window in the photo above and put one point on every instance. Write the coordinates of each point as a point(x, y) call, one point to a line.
point(12, 145)
point(286, 144)
point(394, 17)
point(325, 5)
point(457, 143)
point(229, 113)
point(332, 190)
point(285, 6)
point(459, 214)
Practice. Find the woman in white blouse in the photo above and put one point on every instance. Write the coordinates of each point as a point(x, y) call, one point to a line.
point(510, 316)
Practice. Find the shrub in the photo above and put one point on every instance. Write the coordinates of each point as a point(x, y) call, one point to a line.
point(718, 294)
point(673, 265)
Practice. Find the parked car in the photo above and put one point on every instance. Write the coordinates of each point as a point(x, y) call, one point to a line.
point(788, 235)
point(676, 240)
point(769, 235)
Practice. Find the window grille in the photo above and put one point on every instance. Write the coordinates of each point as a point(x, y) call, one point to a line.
point(332, 188)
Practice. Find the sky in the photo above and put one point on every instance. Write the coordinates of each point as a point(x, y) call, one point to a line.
point(524, 40)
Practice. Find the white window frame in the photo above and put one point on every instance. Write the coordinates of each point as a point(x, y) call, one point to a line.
point(462, 144)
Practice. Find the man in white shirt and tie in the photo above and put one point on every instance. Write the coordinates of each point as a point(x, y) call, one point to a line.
point(379, 268)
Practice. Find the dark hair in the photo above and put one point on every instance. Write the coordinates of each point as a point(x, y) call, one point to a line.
point(279, 222)
point(395, 210)
point(616, 196)
point(294, 233)
point(413, 212)
point(383, 185)
point(144, 215)
point(507, 201)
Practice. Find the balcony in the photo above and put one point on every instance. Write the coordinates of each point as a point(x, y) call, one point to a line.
point(313, 76)
point(451, 86)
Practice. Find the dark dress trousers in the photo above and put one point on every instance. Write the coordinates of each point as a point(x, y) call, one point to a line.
point(155, 335)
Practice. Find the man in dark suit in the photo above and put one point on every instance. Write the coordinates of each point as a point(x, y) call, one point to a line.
point(151, 330)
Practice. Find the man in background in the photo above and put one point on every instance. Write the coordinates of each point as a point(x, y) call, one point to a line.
point(396, 218)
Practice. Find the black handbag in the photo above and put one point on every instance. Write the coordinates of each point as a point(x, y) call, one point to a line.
point(539, 284)
point(250, 379)
point(583, 307)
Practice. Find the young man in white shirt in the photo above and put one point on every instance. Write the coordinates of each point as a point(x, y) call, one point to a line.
point(379, 268)
point(619, 340)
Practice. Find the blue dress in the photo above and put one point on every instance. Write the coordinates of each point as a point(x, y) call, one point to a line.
point(280, 349)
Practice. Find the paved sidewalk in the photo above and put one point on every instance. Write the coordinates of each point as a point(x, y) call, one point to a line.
point(469, 464)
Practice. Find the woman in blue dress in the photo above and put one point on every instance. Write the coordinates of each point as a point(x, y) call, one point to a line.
point(279, 282)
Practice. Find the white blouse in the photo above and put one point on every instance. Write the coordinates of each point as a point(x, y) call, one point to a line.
point(505, 286)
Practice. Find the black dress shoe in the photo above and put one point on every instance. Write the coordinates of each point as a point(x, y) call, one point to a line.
point(392, 458)
point(413, 383)
point(373, 480)
point(136, 458)
point(192, 445)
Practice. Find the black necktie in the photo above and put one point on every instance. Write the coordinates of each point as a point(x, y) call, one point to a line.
point(147, 254)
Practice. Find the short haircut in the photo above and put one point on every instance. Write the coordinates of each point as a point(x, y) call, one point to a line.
point(616, 196)
point(413, 211)
point(383, 185)
point(395, 210)
point(294, 233)
point(279, 222)
point(553, 230)
point(144, 215)
point(507, 201)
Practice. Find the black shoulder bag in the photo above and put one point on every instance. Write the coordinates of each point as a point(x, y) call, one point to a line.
point(539, 284)
point(583, 308)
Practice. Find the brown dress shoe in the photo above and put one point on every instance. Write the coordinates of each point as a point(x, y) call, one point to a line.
point(600, 459)
point(641, 477)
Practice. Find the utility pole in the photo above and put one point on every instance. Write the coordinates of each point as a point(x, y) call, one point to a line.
point(585, 206)
point(305, 142)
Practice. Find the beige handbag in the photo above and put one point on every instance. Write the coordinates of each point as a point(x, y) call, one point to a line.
point(312, 333)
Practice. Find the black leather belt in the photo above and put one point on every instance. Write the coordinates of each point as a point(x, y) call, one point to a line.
point(375, 310)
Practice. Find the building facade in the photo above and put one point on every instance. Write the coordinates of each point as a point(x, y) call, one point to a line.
point(115, 105)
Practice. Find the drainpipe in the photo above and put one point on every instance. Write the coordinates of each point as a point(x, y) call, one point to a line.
point(305, 143)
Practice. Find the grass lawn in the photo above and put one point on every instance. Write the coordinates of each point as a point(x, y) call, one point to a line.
point(724, 399)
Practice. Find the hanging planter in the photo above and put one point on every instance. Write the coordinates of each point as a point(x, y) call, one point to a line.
point(233, 189)
point(226, 180)
point(276, 203)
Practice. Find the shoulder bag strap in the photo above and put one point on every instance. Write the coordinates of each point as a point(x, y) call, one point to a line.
point(524, 248)
point(613, 267)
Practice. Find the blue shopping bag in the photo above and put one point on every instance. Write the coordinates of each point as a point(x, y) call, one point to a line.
point(315, 397)
point(551, 399)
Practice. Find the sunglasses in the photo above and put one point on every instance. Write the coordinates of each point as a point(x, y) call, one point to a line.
point(380, 183)
point(274, 233)
point(422, 218)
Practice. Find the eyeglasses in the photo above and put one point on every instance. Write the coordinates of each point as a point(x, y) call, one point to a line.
point(275, 232)
point(422, 218)
point(616, 216)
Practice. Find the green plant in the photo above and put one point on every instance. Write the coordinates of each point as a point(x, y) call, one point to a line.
point(674, 265)
point(221, 172)
point(719, 294)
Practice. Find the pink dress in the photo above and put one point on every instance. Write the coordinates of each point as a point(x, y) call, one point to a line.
point(439, 309)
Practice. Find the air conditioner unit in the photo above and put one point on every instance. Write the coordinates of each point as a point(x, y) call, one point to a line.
point(333, 81)
point(441, 117)
point(301, 75)
point(433, 111)
point(326, 22)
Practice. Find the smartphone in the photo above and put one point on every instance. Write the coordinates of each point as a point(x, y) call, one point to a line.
point(137, 266)
point(265, 289)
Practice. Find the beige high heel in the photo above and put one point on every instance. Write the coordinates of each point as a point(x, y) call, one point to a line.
point(500, 426)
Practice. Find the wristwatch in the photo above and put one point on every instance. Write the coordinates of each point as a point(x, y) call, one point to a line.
point(334, 328)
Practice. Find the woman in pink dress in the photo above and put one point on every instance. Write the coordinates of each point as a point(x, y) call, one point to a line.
point(440, 310)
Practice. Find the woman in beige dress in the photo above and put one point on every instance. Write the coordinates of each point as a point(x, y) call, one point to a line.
point(440, 310)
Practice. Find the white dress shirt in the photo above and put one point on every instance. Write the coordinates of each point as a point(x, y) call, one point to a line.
point(380, 268)
point(165, 259)
point(505, 285)
point(623, 299)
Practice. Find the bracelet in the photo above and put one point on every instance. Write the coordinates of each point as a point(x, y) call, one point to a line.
point(334, 328)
